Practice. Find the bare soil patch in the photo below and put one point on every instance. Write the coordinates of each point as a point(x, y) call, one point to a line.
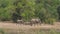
point(10, 25)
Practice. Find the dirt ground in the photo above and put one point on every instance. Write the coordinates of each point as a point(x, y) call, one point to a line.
point(9, 25)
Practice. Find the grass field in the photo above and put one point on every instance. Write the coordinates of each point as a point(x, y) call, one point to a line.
point(29, 31)
point(12, 28)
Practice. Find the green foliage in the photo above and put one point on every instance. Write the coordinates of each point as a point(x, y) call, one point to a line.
point(2, 31)
point(46, 10)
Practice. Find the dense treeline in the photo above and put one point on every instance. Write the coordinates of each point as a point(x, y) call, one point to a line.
point(46, 10)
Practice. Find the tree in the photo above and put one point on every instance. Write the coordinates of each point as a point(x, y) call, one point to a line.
point(46, 10)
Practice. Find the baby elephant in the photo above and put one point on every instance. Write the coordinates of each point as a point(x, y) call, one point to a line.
point(35, 21)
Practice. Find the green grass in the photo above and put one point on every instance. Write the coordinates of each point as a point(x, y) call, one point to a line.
point(30, 31)
point(2, 31)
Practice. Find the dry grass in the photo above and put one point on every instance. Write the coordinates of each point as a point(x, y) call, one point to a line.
point(31, 31)
point(21, 26)
point(13, 28)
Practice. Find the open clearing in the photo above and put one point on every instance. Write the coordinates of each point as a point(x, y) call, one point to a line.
point(20, 26)
point(13, 28)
